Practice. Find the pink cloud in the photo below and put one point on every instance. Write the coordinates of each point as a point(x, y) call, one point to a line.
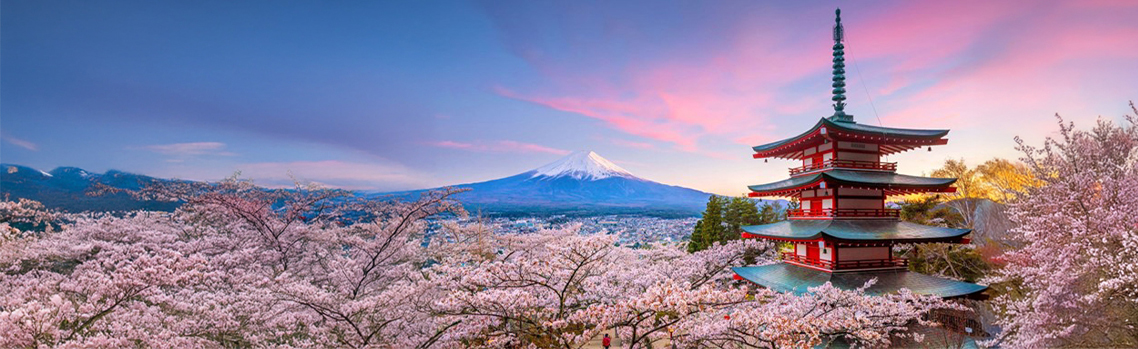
point(502, 146)
point(983, 68)
point(642, 118)
point(366, 175)
point(1065, 61)
point(188, 149)
point(452, 145)
point(631, 144)
point(21, 143)
point(332, 173)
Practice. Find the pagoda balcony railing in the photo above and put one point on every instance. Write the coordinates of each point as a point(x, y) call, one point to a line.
point(850, 164)
point(844, 213)
point(845, 265)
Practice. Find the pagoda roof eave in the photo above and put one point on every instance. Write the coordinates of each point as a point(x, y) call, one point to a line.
point(860, 179)
point(855, 230)
point(783, 277)
point(917, 137)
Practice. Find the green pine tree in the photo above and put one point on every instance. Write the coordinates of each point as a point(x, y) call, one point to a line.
point(724, 218)
point(696, 243)
point(711, 228)
point(713, 225)
point(772, 212)
point(740, 211)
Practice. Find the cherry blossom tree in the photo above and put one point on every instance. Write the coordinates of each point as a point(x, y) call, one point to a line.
point(1075, 281)
point(657, 288)
point(23, 211)
point(826, 314)
point(235, 266)
point(242, 266)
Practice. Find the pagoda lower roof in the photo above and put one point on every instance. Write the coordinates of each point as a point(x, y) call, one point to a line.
point(862, 179)
point(855, 230)
point(905, 138)
point(784, 277)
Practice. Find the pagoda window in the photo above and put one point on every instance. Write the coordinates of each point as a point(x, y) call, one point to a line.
point(826, 254)
point(827, 156)
point(826, 146)
point(827, 204)
point(800, 249)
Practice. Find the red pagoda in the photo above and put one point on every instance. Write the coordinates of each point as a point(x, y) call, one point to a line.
point(843, 233)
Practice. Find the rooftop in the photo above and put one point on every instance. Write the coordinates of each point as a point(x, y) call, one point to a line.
point(893, 182)
point(856, 230)
point(893, 140)
point(784, 277)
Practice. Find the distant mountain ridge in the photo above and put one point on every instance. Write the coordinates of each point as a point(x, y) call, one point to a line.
point(66, 188)
point(581, 183)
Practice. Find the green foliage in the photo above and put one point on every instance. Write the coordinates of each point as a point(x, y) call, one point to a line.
point(961, 262)
point(930, 210)
point(724, 218)
point(740, 211)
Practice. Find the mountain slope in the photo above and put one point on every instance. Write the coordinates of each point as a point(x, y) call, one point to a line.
point(582, 183)
point(66, 188)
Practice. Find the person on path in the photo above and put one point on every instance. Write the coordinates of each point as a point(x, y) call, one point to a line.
point(606, 341)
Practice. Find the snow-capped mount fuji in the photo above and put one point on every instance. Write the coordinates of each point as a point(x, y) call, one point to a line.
point(584, 165)
point(581, 183)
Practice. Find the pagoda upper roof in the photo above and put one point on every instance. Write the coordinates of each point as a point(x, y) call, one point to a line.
point(893, 183)
point(893, 140)
point(854, 230)
point(783, 277)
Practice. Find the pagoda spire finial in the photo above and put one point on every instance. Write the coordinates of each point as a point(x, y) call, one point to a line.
point(839, 71)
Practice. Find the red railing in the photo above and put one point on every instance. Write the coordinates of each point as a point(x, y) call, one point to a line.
point(858, 264)
point(836, 163)
point(845, 212)
point(793, 257)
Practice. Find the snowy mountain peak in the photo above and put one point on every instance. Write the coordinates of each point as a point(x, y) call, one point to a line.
point(582, 165)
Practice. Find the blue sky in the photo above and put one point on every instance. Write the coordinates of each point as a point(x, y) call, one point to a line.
point(403, 95)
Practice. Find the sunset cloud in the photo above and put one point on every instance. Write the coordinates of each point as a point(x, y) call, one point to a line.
point(923, 64)
point(334, 173)
point(20, 143)
point(190, 149)
point(631, 144)
point(502, 146)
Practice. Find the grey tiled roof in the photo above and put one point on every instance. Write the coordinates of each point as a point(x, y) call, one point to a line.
point(859, 128)
point(856, 230)
point(783, 277)
point(866, 178)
